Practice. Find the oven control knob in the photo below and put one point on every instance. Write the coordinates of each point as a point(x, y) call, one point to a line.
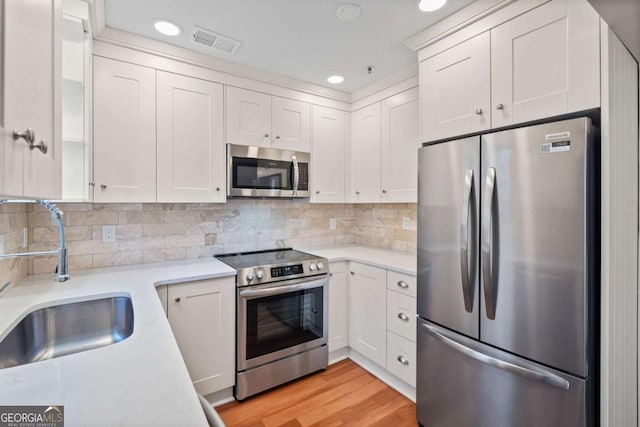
point(259, 274)
point(312, 267)
point(320, 266)
point(249, 276)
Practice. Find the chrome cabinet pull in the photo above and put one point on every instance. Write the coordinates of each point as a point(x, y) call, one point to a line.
point(42, 146)
point(277, 136)
point(500, 106)
point(403, 360)
point(384, 191)
point(403, 317)
point(357, 192)
point(479, 111)
point(177, 300)
point(465, 216)
point(217, 188)
point(537, 374)
point(353, 273)
point(402, 284)
point(488, 246)
point(317, 191)
point(103, 186)
point(266, 135)
point(28, 135)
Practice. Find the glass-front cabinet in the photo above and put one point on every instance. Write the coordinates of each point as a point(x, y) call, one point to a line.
point(76, 102)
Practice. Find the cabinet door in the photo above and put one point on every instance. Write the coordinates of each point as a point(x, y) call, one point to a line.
point(248, 117)
point(191, 161)
point(338, 306)
point(124, 152)
point(31, 97)
point(455, 90)
point(291, 124)
point(401, 358)
point(367, 308)
point(202, 317)
point(328, 154)
point(545, 63)
point(365, 154)
point(400, 142)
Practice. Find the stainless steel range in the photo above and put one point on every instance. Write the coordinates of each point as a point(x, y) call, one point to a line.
point(282, 317)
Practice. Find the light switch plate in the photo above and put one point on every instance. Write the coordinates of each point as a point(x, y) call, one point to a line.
point(108, 233)
point(25, 237)
point(332, 223)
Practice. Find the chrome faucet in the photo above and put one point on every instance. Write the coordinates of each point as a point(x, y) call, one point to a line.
point(62, 272)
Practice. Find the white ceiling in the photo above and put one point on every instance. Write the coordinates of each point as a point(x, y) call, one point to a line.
point(303, 39)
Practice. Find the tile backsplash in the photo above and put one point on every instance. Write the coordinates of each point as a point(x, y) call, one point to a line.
point(162, 232)
point(13, 218)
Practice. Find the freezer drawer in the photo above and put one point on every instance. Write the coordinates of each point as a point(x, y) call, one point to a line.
point(461, 382)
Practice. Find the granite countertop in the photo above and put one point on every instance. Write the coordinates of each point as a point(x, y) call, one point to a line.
point(139, 381)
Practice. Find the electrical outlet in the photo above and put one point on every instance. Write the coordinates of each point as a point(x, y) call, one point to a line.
point(405, 222)
point(332, 223)
point(25, 237)
point(108, 233)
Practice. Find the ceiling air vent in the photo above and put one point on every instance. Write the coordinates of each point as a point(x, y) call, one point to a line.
point(216, 41)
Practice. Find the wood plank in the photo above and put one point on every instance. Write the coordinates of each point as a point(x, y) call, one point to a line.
point(343, 395)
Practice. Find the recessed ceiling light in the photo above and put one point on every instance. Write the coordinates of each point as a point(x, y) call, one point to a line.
point(335, 79)
point(430, 5)
point(348, 12)
point(167, 28)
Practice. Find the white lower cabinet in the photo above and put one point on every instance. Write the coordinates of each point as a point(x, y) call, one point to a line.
point(338, 305)
point(202, 317)
point(401, 358)
point(401, 315)
point(367, 308)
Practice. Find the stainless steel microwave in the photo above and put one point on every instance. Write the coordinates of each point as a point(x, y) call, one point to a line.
point(266, 172)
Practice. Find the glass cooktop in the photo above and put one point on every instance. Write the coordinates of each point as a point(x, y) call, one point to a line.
point(267, 257)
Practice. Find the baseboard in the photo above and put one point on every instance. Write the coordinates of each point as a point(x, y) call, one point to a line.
point(383, 375)
point(220, 397)
point(338, 355)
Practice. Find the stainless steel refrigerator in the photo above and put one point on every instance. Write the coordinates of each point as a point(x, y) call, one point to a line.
point(507, 278)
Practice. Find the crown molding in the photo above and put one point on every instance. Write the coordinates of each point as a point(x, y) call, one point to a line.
point(400, 77)
point(455, 22)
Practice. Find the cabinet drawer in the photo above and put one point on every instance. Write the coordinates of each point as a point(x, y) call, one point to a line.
point(402, 283)
point(401, 314)
point(401, 358)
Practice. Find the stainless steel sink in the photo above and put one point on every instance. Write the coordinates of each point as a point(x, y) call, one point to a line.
point(66, 329)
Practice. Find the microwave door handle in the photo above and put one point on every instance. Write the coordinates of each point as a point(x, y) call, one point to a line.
point(296, 175)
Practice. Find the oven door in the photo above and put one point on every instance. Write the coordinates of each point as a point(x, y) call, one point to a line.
point(280, 320)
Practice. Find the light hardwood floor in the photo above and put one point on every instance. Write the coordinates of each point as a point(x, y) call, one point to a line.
point(343, 395)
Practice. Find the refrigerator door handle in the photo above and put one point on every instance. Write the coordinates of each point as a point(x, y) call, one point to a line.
point(464, 240)
point(488, 245)
point(536, 374)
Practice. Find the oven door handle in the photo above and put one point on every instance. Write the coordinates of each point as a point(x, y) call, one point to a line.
point(276, 290)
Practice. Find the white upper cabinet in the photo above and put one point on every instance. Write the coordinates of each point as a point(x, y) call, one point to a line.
point(455, 91)
point(262, 120)
point(540, 64)
point(400, 140)
point(248, 117)
point(31, 74)
point(328, 150)
point(124, 132)
point(545, 63)
point(190, 146)
point(365, 155)
point(291, 124)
